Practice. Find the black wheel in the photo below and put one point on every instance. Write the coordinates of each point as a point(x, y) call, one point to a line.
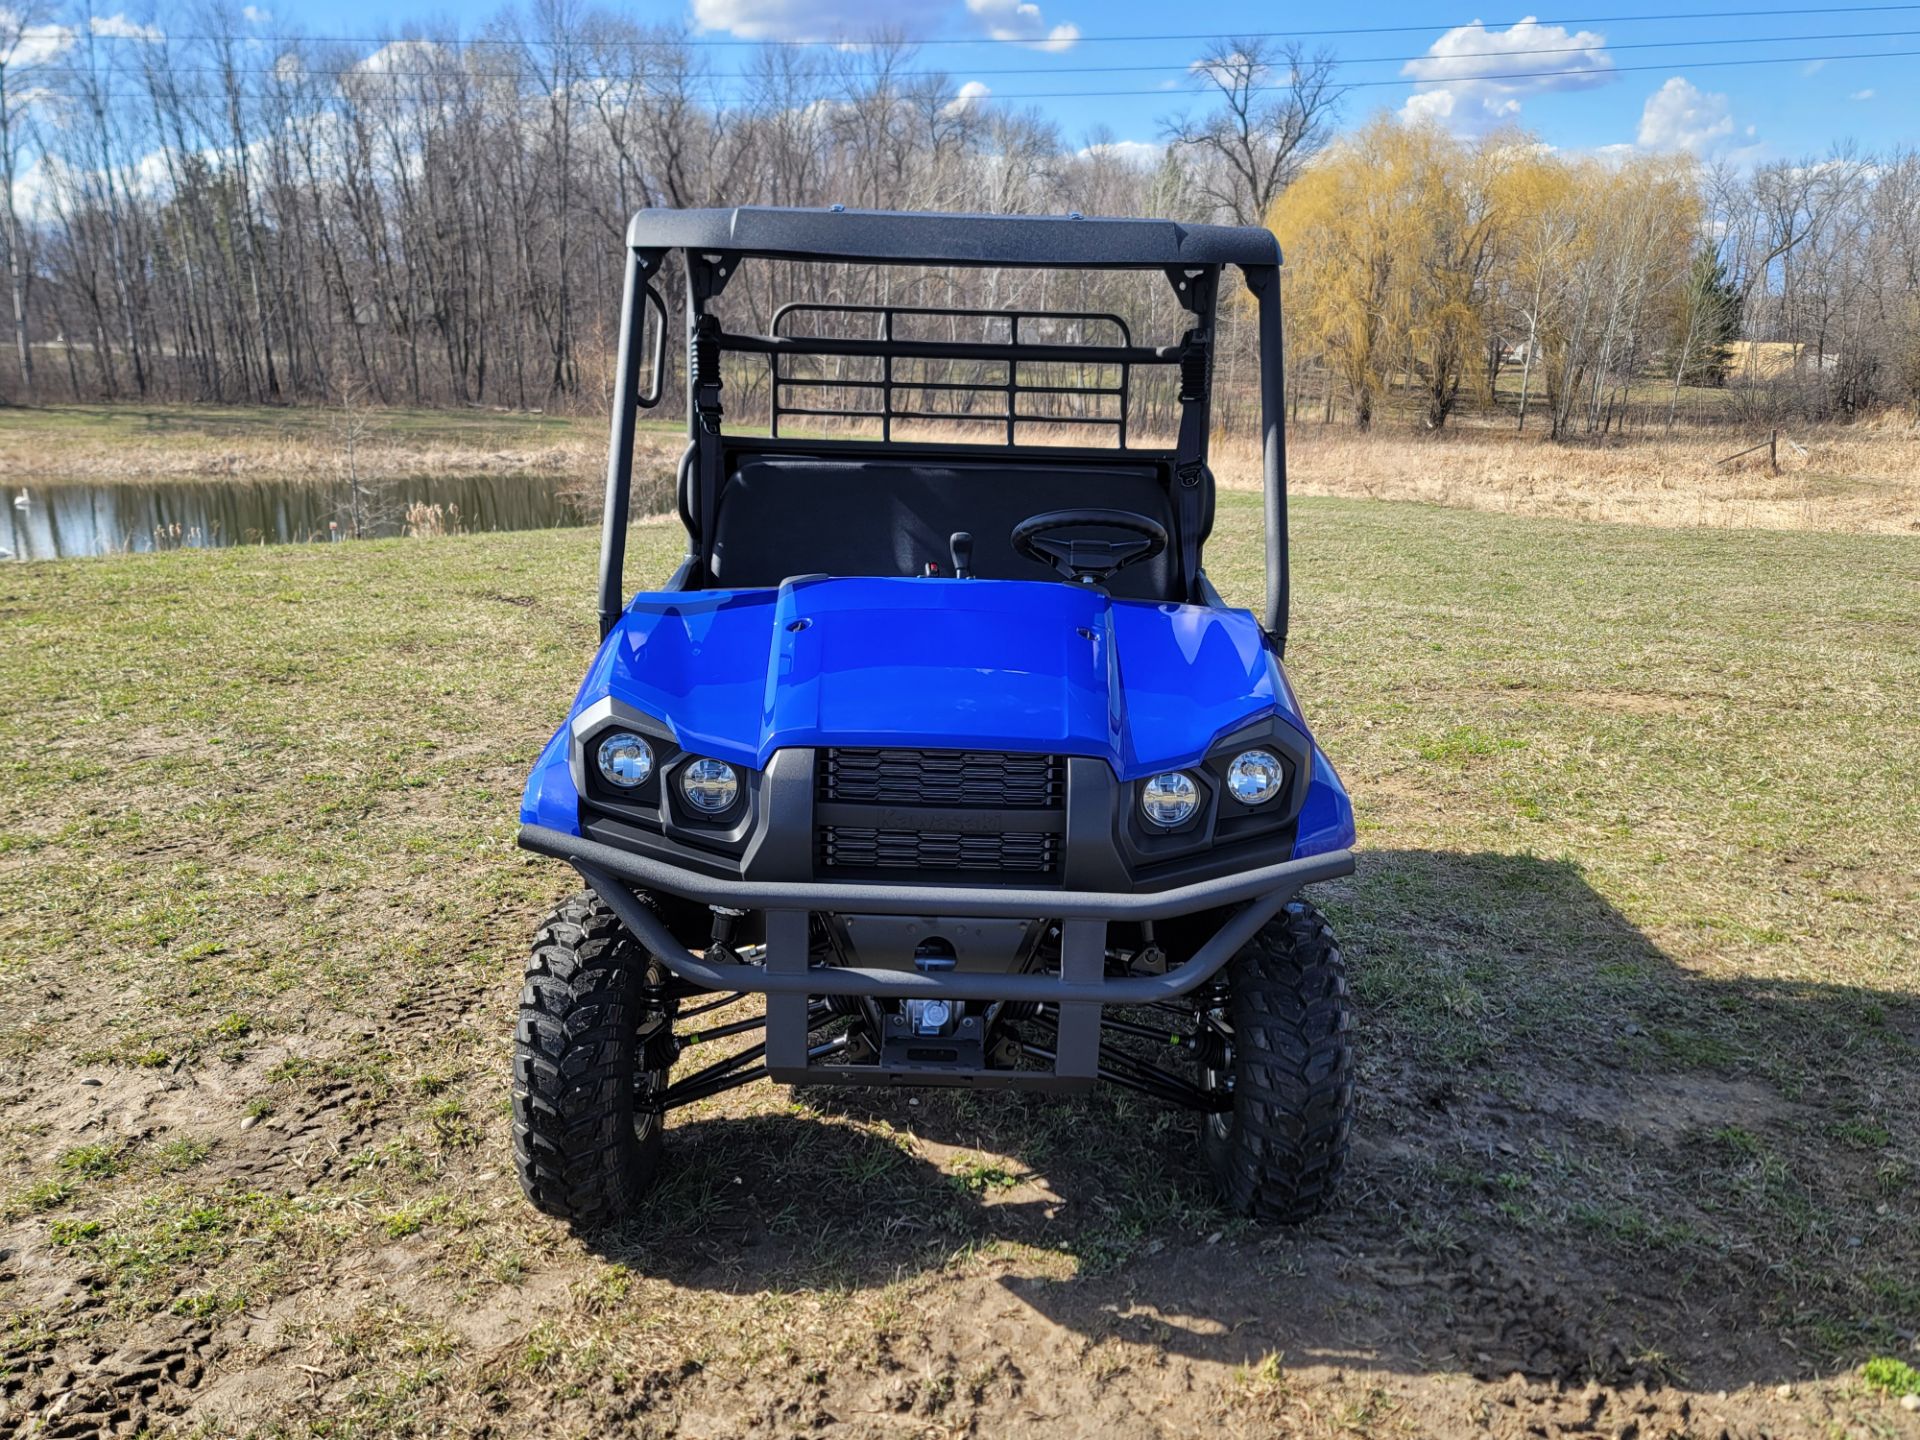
point(588, 1052)
point(1288, 1068)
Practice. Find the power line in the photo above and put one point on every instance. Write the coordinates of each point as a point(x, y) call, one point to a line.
point(358, 71)
point(1586, 74)
point(1505, 75)
point(837, 43)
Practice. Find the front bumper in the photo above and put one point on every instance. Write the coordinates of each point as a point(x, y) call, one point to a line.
point(790, 979)
point(614, 874)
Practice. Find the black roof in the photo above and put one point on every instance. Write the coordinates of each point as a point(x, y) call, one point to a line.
point(897, 237)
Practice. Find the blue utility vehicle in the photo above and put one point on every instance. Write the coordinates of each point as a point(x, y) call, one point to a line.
point(939, 738)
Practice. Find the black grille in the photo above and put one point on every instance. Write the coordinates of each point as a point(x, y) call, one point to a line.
point(939, 812)
point(962, 779)
point(856, 848)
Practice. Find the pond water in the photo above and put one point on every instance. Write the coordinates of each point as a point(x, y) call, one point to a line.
point(43, 521)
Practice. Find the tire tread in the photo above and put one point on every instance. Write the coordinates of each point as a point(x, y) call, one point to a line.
point(1292, 1120)
point(576, 1148)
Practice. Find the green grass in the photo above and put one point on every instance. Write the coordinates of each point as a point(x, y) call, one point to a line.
point(1892, 1377)
point(1637, 903)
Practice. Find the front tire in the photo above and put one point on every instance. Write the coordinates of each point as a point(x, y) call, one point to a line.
point(587, 1052)
point(1278, 1153)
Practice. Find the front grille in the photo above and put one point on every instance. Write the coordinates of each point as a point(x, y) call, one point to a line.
point(958, 779)
point(938, 813)
point(852, 847)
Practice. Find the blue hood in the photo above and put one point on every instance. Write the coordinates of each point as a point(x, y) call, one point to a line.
point(963, 664)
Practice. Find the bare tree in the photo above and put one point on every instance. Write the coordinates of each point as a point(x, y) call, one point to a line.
point(1274, 109)
point(227, 213)
point(28, 40)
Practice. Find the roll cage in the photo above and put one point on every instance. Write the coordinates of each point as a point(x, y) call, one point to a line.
point(713, 243)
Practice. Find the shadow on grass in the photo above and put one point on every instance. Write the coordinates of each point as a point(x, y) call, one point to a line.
point(1574, 1158)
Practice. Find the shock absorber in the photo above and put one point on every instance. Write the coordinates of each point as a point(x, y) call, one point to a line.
point(720, 939)
point(1213, 1032)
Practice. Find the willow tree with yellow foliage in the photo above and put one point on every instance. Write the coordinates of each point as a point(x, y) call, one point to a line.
point(1415, 253)
point(1615, 260)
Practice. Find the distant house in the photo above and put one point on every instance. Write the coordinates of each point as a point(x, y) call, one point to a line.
point(1767, 360)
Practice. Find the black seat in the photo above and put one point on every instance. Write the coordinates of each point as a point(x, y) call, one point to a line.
point(782, 516)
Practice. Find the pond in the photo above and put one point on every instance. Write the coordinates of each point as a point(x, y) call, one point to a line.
point(59, 518)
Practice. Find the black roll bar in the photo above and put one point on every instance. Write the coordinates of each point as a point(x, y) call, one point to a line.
point(707, 272)
point(1264, 282)
point(626, 402)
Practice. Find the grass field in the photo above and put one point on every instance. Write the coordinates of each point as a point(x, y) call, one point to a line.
point(1634, 935)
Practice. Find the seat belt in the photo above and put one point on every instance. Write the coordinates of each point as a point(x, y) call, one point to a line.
point(707, 411)
point(1192, 482)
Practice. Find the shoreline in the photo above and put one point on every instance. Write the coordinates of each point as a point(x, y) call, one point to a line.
point(1862, 478)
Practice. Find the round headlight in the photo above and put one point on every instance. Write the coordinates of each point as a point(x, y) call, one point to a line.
point(1170, 799)
point(1255, 777)
point(625, 760)
point(709, 785)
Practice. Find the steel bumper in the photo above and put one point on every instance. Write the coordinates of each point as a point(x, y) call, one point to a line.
point(615, 874)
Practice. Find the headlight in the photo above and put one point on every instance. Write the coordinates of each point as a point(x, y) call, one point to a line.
point(625, 760)
point(1170, 799)
point(709, 785)
point(1255, 776)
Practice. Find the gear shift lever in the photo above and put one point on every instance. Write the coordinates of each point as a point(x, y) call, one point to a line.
point(961, 544)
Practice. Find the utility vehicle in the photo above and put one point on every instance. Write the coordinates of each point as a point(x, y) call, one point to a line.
point(945, 745)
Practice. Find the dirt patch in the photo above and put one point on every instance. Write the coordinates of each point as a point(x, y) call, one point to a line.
point(1665, 1109)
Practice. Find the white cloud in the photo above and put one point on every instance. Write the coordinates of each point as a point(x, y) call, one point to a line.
point(1022, 21)
point(1428, 105)
point(1136, 154)
point(796, 19)
point(399, 55)
point(1861, 95)
point(1228, 70)
point(1016, 20)
point(118, 27)
point(969, 95)
point(33, 186)
point(1813, 67)
point(43, 185)
point(1679, 116)
point(24, 46)
point(254, 15)
point(1457, 88)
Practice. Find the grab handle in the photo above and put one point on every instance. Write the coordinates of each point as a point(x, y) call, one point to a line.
point(650, 397)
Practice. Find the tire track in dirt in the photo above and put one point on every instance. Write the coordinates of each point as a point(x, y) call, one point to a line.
point(79, 1382)
point(117, 1392)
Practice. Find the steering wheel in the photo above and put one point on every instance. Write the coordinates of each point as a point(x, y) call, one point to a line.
point(1089, 561)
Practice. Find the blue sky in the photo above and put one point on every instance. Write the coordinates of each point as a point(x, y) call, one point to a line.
point(1648, 82)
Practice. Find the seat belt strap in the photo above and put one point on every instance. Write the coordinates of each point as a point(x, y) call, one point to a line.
point(1191, 481)
point(705, 367)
